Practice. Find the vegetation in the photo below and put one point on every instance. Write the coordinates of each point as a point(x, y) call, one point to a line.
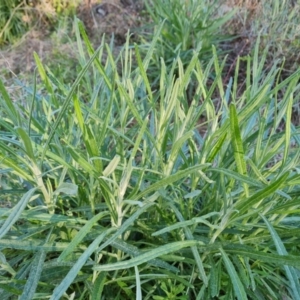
point(17, 16)
point(152, 178)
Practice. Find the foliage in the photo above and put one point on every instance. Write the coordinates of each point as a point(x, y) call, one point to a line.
point(189, 26)
point(280, 29)
point(276, 22)
point(17, 16)
point(12, 20)
point(118, 192)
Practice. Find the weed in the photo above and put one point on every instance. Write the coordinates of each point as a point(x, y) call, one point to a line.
point(124, 196)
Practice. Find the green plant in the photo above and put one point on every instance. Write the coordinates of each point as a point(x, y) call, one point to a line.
point(126, 195)
point(279, 28)
point(188, 26)
point(171, 290)
point(17, 16)
point(276, 22)
point(13, 22)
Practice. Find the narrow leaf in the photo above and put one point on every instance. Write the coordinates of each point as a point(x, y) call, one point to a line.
point(34, 276)
point(288, 122)
point(80, 235)
point(138, 284)
point(276, 259)
point(290, 271)
point(194, 249)
point(125, 226)
point(170, 179)
point(243, 206)
point(10, 108)
point(111, 166)
point(98, 286)
point(67, 188)
point(83, 163)
point(188, 223)
point(33, 245)
point(147, 256)
point(16, 212)
point(237, 144)
point(65, 283)
point(143, 72)
point(17, 169)
point(235, 280)
point(216, 148)
point(67, 102)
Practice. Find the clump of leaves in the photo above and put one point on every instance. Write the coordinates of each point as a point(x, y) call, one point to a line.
point(17, 16)
point(188, 26)
point(125, 195)
point(276, 22)
point(13, 20)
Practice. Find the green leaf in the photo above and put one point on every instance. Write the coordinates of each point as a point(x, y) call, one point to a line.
point(5, 266)
point(65, 283)
point(237, 145)
point(130, 103)
point(83, 163)
point(10, 108)
point(10, 290)
point(98, 286)
point(244, 179)
point(290, 271)
point(134, 251)
point(125, 225)
point(88, 136)
point(138, 284)
point(67, 188)
point(147, 256)
point(143, 72)
point(238, 287)
point(195, 251)
point(111, 166)
point(14, 165)
point(188, 223)
point(35, 245)
point(34, 276)
point(243, 206)
point(80, 235)
point(279, 260)
point(78, 112)
point(192, 194)
point(91, 52)
point(214, 279)
point(67, 102)
point(288, 120)
point(16, 212)
point(50, 218)
point(170, 179)
point(42, 73)
point(216, 148)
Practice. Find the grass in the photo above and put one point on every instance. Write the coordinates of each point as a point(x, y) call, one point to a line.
point(18, 16)
point(276, 24)
point(188, 26)
point(113, 189)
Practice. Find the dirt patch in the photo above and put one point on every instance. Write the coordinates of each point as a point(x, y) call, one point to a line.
point(109, 17)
